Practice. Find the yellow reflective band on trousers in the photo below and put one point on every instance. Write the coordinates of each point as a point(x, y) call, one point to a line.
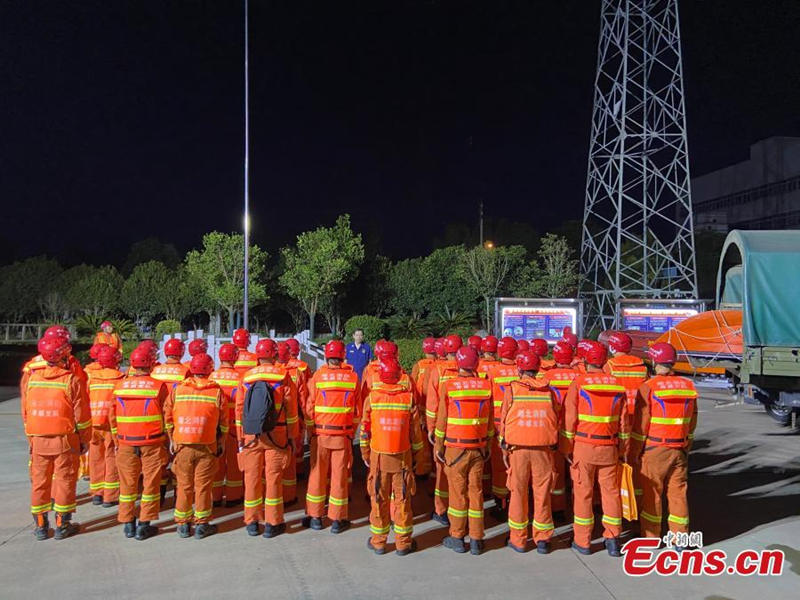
point(202, 514)
point(475, 514)
point(403, 530)
point(543, 526)
point(337, 501)
point(518, 526)
point(253, 503)
point(184, 514)
point(612, 520)
point(315, 499)
point(128, 497)
point(457, 513)
point(151, 497)
point(62, 508)
point(40, 508)
point(273, 501)
point(678, 520)
point(380, 530)
point(441, 493)
point(585, 522)
point(648, 517)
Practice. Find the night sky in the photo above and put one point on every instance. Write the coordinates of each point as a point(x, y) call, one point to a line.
point(123, 120)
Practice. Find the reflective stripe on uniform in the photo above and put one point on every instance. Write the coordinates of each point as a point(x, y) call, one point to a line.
point(315, 499)
point(612, 520)
point(679, 520)
point(648, 517)
point(273, 501)
point(516, 525)
point(334, 410)
point(668, 421)
point(337, 501)
point(585, 522)
point(403, 530)
point(379, 530)
point(469, 393)
point(336, 385)
point(457, 513)
point(253, 503)
point(542, 526)
point(598, 419)
point(475, 514)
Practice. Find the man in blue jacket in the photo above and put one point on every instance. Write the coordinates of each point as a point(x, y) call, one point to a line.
point(359, 353)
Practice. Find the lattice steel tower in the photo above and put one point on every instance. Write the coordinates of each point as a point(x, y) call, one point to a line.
point(637, 227)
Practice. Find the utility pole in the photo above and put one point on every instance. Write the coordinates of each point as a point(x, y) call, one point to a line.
point(638, 237)
point(245, 319)
point(480, 221)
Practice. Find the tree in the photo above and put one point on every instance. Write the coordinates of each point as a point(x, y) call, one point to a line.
point(486, 270)
point(25, 285)
point(320, 263)
point(146, 291)
point(559, 269)
point(443, 283)
point(97, 291)
point(218, 271)
point(407, 287)
point(150, 249)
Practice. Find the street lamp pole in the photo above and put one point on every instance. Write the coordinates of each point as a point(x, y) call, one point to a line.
point(246, 165)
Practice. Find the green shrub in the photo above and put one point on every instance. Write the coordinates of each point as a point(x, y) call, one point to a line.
point(410, 351)
point(87, 325)
point(457, 323)
point(125, 329)
point(166, 327)
point(408, 327)
point(374, 328)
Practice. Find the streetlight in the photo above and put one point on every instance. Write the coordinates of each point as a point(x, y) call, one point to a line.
point(246, 224)
point(488, 244)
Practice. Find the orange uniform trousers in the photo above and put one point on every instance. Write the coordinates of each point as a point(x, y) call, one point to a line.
point(592, 464)
point(330, 456)
point(54, 473)
point(558, 499)
point(441, 491)
point(289, 479)
point(390, 485)
point(228, 479)
point(531, 468)
point(464, 467)
point(498, 475)
point(194, 467)
point(104, 479)
point(132, 462)
point(664, 470)
point(263, 464)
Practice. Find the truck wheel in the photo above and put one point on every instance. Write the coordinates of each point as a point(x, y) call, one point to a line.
point(782, 414)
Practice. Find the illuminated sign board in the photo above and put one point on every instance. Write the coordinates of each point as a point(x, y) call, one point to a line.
point(655, 316)
point(529, 318)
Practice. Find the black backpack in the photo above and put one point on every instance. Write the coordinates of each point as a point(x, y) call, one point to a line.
point(259, 414)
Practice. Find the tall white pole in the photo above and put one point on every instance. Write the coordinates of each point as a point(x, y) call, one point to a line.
point(246, 165)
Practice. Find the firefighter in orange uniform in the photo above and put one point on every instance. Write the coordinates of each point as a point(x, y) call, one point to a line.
point(298, 378)
point(196, 419)
point(104, 480)
point(559, 378)
point(488, 355)
point(265, 455)
point(420, 376)
point(57, 420)
point(195, 347)
point(662, 435)
point(228, 480)
point(474, 342)
point(529, 437)
point(463, 434)
point(137, 424)
point(94, 364)
point(332, 416)
point(542, 349)
point(390, 437)
point(173, 371)
point(107, 336)
point(37, 362)
point(303, 369)
point(246, 360)
point(84, 467)
point(500, 375)
point(594, 439)
point(446, 369)
point(631, 372)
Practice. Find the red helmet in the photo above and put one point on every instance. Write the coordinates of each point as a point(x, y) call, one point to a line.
point(619, 342)
point(390, 370)
point(528, 361)
point(467, 358)
point(334, 349)
point(241, 337)
point(452, 343)
point(283, 352)
point(507, 347)
point(202, 364)
point(106, 324)
point(228, 353)
point(489, 344)
point(385, 349)
point(581, 348)
point(523, 346)
point(266, 348)
point(58, 331)
point(174, 347)
point(540, 346)
point(570, 338)
point(294, 347)
point(94, 350)
point(109, 357)
point(474, 341)
point(53, 349)
point(141, 358)
point(596, 354)
point(663, 353)
point(429, 345)
point(198, 346)
point(151, 347)
point(438, 345)
point(563, 353)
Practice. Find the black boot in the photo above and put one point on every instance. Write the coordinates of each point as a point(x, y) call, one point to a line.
point(109, 504)
point(232, 503)
point(144, 530)
point(42, 526)
point(184, 530)
point(475, 547)
point(441, 519)
point(314, 522)
point(216, 503)
point(204, 530)
point(130, 529)
point(64, 526)
point(252, 528)
point(612, 546)
point(409, 550)
point(340, 526)
point(455, 544)
point(270, 531)
point(543, 547)
point(97, 500)
point(163, 494)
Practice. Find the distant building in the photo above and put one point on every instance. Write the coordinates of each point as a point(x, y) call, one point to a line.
point(762, 192)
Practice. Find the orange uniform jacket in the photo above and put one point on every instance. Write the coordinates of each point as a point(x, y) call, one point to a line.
point(102, 382)
point(170, 373)
point(501, 375)
point(390, 424)
point(245, 361)
point(60, 404)
point(230, 383)
point(480, 419)
point(137, 396)
point(37, 362)
point(485, 365)
point(195, 413)
point(420, 376)
point(285, 394)
point(109, 339)
point(327, 376)
point(445, 370)
point(645, 415)
point(529, 414)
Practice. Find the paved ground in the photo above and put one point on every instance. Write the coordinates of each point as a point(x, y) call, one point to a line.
point(745, 485)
